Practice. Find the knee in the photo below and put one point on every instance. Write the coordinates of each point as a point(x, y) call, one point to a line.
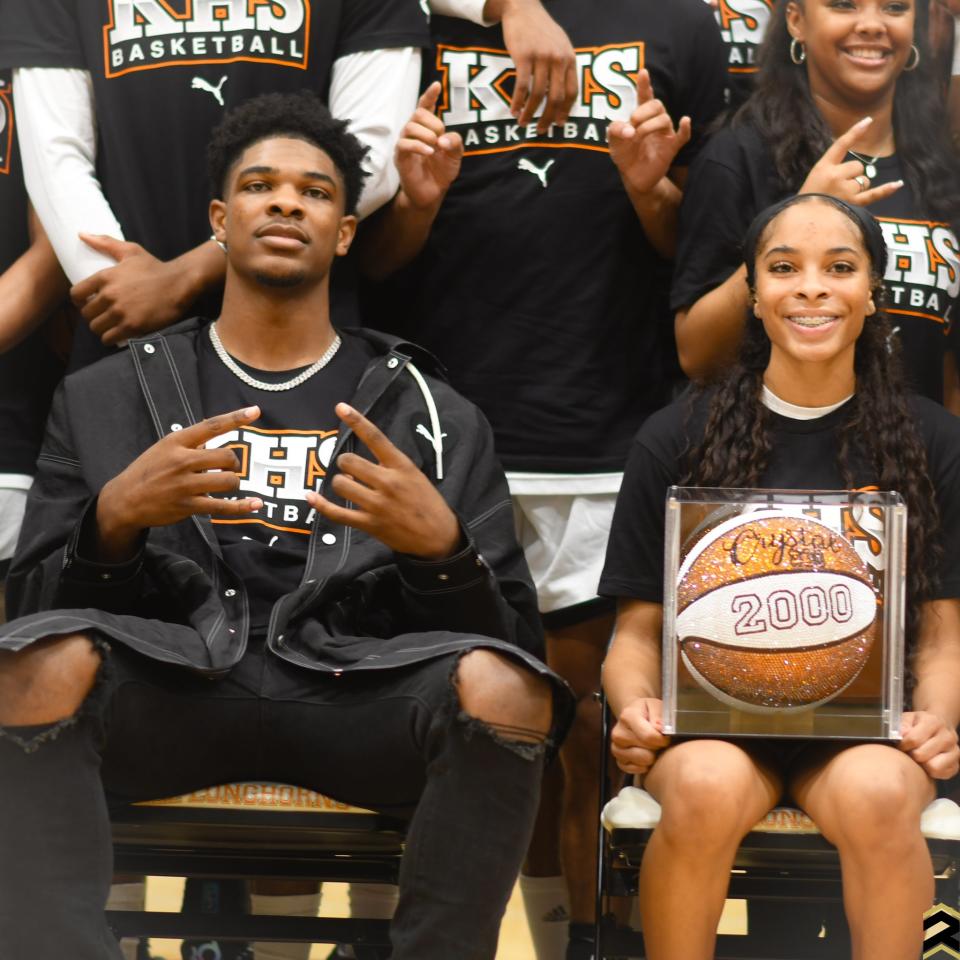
point(708, 801)
point(876, 810)
point(46, 681)
point(505, 694)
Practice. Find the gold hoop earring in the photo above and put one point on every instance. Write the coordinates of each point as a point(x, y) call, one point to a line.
point(908, 66)
point(795, 57)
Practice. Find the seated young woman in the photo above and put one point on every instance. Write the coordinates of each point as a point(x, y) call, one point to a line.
point(815, 401)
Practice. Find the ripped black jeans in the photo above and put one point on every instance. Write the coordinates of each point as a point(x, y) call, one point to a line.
point(391, 740)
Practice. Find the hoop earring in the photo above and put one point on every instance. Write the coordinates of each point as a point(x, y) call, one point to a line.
point(796, 58)
point(907, 67)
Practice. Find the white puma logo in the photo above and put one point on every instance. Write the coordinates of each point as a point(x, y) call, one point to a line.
point(539, 172)
point(434, 442)
point(198, 83)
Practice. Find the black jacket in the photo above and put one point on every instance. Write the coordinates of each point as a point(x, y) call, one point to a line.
point(360, 606)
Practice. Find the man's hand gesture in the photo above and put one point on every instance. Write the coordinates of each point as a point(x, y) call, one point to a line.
point(645, 146)
point(392, 499)
point(170, 481)
point(427, 157)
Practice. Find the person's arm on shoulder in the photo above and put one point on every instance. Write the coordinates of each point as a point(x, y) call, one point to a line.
point(428, 161)
point(120, 288)
point(930, 729)
point(540, 49)
point(58, 142)
point(631, 681)
point(30, 288)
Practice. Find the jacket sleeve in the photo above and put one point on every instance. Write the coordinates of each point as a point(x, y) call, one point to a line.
point(49, 569)
point(485, 588)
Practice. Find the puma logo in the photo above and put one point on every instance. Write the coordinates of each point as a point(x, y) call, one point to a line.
point(198, 83)
point(434, 442)
point(528, 166)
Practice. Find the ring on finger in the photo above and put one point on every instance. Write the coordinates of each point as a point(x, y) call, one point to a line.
point(862, 182)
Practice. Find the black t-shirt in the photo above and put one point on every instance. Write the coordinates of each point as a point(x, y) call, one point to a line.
point(163, 75)
point(30, 371)
point(537, 287)
point(743, 25)
point(734, 179)
point(803, 457)
point(282, 454)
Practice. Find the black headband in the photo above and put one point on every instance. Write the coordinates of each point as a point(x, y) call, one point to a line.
point(873, 241)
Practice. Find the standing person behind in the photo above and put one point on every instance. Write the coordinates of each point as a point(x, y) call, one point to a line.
point(32, 286)
point(815, 401)
point(743, 24)
point(536, 279)
point(118, 99)
point(846, 105)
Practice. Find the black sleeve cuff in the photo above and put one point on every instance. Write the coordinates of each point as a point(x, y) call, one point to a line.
point(77, 564)
point(463, 569)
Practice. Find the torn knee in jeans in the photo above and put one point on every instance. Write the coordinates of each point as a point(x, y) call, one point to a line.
point(504, 701)
point(30, 738)
point(525, 743)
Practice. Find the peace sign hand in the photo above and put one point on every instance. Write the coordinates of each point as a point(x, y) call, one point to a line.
point(170, 481)
point(646, 146)
point(393, 500)
point(846, 179)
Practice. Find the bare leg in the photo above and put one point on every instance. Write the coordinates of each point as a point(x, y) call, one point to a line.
point(46, 681)
point(867, 801)
point(712, 793)
point(576, 653)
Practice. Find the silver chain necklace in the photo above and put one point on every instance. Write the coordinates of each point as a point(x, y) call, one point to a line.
point(869, 163)
point(242, 374)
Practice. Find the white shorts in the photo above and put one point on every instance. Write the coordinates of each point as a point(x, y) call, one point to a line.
point(563, 524)
point(13, 501)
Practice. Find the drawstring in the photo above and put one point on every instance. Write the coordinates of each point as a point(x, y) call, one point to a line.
point(436, 438)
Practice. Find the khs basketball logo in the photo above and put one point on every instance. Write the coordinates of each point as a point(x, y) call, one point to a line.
point(6, 122)
point(147, 34)
point(743, 24)
point(923, 269)
point(278, 466)
point(478, 86)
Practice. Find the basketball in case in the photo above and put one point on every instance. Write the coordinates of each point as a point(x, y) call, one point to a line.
point(775, 612)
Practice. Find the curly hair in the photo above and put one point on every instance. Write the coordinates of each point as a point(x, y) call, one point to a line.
point(301, 116)
point(736, 444)
point(783, 112)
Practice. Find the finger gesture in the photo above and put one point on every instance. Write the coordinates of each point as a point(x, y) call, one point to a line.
point(931, 743)
point(427, 157)
point(646, 146)
point(638, 737)
point(175, 478)
point(391, 499)
point(846, 179)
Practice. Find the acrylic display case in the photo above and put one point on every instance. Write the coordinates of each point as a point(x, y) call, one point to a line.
point(783, 613)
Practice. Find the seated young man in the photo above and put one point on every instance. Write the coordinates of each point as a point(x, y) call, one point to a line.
point(227, 573)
